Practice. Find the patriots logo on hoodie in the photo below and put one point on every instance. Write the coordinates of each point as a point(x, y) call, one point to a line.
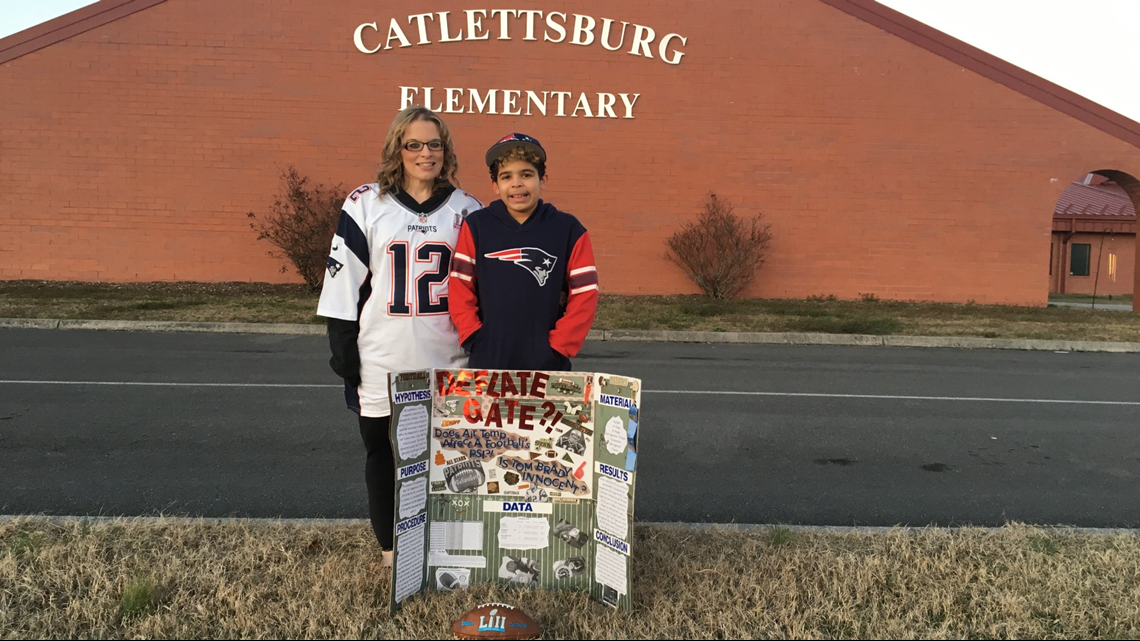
point(532, 259)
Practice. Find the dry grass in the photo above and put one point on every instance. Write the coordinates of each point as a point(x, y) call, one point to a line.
point(194, 302)
point(193, 579)
point(869, 316)
point(265, 303)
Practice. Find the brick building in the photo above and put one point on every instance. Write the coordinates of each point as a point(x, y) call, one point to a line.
point(1093, 250)
point(889, 158)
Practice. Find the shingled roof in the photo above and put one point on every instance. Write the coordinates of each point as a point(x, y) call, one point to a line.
point(1095, 197)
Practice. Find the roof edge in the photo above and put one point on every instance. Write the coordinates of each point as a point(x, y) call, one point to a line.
point(992, 67)
point(69, 25)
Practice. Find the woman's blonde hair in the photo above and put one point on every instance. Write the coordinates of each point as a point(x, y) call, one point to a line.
point(391, 173)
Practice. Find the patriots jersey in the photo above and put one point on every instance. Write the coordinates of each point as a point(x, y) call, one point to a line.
point(524, 294)
point(388, 270)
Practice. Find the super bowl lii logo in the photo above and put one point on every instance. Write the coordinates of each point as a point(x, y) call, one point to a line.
point(493, 623)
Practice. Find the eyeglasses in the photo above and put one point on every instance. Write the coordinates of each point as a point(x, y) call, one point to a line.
point(415, 145)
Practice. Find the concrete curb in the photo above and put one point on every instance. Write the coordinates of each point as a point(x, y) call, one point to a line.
point(163, 326)
point(733, 527)
point(794, 338)
point(29, 323)
point(657, 336)
point(172, 326)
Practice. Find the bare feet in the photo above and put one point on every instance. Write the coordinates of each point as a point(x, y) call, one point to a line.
point(386, 559)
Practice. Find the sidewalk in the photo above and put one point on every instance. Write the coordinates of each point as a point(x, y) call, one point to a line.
point(662, 336)
point(1102, 305)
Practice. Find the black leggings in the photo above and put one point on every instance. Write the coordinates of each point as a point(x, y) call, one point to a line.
point(380, 477)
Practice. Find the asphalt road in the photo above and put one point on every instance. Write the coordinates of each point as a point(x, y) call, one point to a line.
point(121, 423)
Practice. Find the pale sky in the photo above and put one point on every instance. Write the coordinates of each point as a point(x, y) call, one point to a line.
point(17, 15)
point(1091, 47)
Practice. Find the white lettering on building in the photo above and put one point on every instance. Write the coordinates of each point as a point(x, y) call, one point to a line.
point(532, 25)
point(518, 102)
point(525, 24)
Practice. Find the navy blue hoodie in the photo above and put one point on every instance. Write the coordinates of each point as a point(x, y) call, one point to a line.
point(523, 296)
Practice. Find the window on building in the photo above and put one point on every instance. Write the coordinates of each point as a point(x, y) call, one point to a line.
point(1079, 263)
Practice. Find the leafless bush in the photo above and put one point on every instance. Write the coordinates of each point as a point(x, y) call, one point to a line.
point(720, 251)
point(301, 224)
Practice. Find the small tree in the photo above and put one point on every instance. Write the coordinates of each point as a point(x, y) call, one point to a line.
point(719, 251)
point(301, 224)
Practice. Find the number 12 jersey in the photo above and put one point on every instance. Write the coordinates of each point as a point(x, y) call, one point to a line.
point(388, 270)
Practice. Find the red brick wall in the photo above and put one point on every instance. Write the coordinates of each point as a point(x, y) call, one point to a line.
point(133, 151)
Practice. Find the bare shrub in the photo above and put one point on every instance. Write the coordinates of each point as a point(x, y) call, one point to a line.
point(301, 224)
point(720, 251)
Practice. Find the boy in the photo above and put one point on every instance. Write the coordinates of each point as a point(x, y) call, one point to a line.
point(524, 289)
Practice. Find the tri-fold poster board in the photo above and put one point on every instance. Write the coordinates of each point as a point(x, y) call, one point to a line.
point(514, 476)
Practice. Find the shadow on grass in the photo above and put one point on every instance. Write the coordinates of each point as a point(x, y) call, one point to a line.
point(857, 325)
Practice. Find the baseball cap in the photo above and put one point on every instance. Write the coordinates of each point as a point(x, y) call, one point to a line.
point(514, 140)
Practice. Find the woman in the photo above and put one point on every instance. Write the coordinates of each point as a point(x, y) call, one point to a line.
point(385, 291)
